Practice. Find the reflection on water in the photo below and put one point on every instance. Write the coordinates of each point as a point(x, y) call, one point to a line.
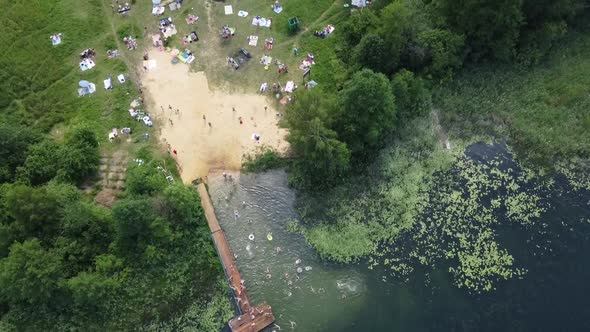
point(310, 295)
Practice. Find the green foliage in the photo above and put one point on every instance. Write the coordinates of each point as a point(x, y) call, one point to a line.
point(490, 27)
point(372, 53)
point(30, 274)
point(14, 142)
point(367, 112)
point(443, 52)
point(79, 156)
point(145, 179)
point(412, 98)
point(322, 157)
point(34, 212)
point(87, 231)
point(133, 220)
point(42, 162)
point(263, 161)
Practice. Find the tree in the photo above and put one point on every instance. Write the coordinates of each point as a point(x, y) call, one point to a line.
point(145, 180)
point(30, 274)
point(93, 292)
point(357, 25)
point(411, 95)
point(42, 162)
point(322, 157)
point(137, 227)
point(399, 25)
point(491, 27)
point(87, 232)
point(443, 52)
point(372, 53)
point(180, 206)
point(366, 113)
point(14, 141)
point(35, 212)
point(79, 156)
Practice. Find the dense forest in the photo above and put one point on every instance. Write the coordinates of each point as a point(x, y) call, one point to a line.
point(66, 262)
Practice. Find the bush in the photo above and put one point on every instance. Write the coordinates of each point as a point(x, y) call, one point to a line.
point(262, 161)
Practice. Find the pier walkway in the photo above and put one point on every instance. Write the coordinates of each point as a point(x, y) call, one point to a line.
point(251, 318)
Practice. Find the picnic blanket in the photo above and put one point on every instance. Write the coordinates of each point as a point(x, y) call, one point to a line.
point(87, 90)
point(228, 10)
point(266, 60)
point(158, 10)
point(174, 6)
point(261, 21)
point(55, 39)
point(107, 84)
point(192, 19)
point(290, 86)
point(169, 31)
point(87, 64)
point(242, 13)
point(277, 9)
point(121, 78)
point(252, 40)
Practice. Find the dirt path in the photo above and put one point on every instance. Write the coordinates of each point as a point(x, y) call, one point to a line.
point(442, 135)
point(206, 131)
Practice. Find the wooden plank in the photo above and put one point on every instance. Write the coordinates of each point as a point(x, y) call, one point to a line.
point(253, 321)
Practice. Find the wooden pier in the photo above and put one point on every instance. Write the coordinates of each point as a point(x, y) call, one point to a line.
point(251, 318)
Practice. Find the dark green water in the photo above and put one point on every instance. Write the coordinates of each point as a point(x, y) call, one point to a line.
point(553, 296)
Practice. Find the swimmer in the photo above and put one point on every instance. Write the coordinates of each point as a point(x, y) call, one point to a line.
point(267, 270)
point(343, 296)
point(321, 290)
point(236, 214)
point(312, 289)
point(286, 275)
point(278, 327)
point(289, 283)
point(298, 261)
point(293, 324)
point(224, 175)
point(244, 203)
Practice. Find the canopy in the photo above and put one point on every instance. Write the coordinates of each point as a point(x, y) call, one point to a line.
point(84, 84)
point(156, 2)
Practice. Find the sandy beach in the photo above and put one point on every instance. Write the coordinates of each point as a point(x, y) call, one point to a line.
point(200, 146)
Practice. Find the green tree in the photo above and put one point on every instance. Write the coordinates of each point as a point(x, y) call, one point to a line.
point(35, 212)
point(443, 52)
point(372, 53)
point(399, 25)
point(366, 113)
point(79, 156)
point(357, 25)
point(42, 162)
point(30, 274)
point(94, 293)
point(491, 27)
point(411, 95)
point(14, 142)
point(180, 206)
point(322, 157)
point(145, 180)
point(87, 232)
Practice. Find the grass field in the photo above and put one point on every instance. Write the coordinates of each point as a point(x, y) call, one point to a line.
point(542, 110)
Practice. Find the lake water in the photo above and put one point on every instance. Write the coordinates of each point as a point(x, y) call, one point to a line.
point(552, 296)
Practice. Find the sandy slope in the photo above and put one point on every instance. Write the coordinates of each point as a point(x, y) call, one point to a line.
point(200, 147)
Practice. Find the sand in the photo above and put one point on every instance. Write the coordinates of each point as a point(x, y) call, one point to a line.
point(201, 147)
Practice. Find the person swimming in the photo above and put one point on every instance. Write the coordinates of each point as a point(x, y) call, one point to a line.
point(236, 214)
point(297, 261)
